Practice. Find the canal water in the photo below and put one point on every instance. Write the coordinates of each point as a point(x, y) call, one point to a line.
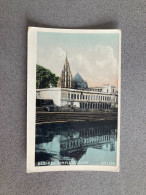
point(76, 143)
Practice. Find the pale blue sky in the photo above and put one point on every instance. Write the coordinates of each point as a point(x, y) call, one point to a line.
point(94, 56)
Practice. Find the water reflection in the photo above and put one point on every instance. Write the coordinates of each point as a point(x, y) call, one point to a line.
point(84, 143)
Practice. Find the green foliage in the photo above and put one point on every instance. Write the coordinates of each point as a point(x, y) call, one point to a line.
point(44, 77)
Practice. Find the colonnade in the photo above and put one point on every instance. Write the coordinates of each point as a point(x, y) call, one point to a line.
point(95, 106)
point(90, 97)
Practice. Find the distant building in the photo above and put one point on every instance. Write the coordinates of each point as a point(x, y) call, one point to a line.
point(74, 93)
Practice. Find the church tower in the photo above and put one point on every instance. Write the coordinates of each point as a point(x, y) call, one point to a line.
point(66, 79)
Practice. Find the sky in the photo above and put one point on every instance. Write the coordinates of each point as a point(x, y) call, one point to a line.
point(94, 56)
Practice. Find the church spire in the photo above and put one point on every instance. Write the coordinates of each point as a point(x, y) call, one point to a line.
point(66, 80)
point(66, 57)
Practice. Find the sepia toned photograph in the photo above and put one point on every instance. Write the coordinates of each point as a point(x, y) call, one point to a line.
point(73, 100)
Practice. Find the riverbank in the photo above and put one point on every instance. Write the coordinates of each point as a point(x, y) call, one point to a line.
point(54, 117)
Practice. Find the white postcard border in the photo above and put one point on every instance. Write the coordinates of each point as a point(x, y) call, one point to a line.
point(31, 103)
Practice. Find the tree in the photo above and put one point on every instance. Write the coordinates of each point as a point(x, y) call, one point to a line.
point(45, 78)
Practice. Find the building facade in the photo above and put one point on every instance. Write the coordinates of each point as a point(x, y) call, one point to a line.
point(74, 93)
point(82, 99)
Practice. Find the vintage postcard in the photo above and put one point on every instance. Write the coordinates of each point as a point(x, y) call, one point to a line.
point(73, 100)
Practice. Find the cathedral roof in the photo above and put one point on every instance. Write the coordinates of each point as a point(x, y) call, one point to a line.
point(79, 81)
point(78, 78)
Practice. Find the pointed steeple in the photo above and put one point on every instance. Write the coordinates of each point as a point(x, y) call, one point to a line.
point(66, 60)
point(66, 54)
point(66, 76)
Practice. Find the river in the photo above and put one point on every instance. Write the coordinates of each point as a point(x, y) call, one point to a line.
point(76, 143)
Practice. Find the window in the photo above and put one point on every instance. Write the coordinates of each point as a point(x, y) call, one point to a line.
point(101, 98)
point(74, 96)
point(78, 96)
point(71, 96)
point(83, 105)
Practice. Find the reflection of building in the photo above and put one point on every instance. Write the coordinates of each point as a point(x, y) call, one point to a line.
point(66, 141)
point(76, 94)
point(89, 138)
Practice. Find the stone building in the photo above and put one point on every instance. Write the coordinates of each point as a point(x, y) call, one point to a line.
point(74, 93)
point(66, 79)
point(79, 98)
